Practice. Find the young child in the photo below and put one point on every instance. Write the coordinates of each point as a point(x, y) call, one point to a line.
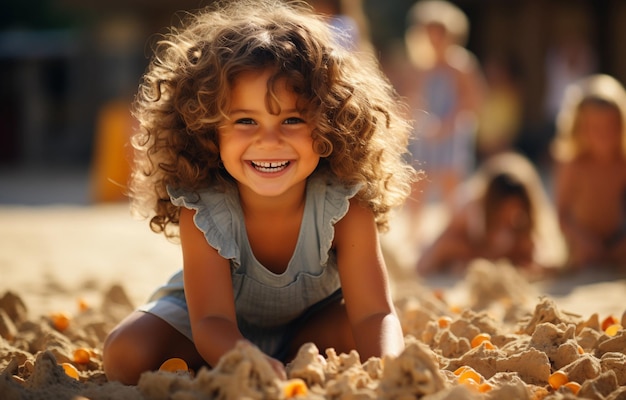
point(504, 215)
point(590, 183)
point(276, 155)
point(446, 90)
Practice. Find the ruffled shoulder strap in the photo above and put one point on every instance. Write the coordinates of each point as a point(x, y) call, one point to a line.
point(219, 216)
point(217, 213)
point(330, 208)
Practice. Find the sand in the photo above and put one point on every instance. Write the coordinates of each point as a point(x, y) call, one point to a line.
point(94, 264)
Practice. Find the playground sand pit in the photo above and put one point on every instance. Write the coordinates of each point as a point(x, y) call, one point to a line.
point(69, 274)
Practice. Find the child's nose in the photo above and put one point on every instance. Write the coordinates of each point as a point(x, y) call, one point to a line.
point(269, 136)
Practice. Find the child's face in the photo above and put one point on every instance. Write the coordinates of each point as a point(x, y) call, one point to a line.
point(512, 214)
point(511, 223)
point(599, 129)
point(266, 153)
point(438, 36)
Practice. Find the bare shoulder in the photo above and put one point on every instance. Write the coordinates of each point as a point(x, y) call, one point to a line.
point(357, 213)
point(358, 224)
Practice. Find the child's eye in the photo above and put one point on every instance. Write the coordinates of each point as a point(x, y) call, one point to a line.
point(245, 121)
point(293, 121)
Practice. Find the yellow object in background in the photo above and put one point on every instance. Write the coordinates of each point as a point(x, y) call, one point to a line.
point(111, 160)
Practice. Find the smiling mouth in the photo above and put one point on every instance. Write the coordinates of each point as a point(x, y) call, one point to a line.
point(267, 166)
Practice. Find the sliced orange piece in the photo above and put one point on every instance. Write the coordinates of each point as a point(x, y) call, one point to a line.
point(294, 388)
point(70, 370)
point(83, 305)
point(613, 329)
point(558, 379)
point(444, 321)
point(478, 339)
point(470, 374)
point(174, 365)
point(608, 321)
point(573, 386)
point(460, 370)
point(485, 387)
point(82, 355)
point(60, 321)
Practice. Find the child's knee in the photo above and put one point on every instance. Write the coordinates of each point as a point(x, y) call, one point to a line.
point(122, 357)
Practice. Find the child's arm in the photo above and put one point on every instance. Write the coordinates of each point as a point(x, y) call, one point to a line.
point(375, 326)
point(582, 244)
point(451, 247)
point(209, 293)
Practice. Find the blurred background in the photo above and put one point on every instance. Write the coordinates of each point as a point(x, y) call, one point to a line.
point(69, 68)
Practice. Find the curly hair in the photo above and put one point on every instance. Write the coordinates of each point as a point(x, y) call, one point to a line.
point(599, 90)
point(184, 96)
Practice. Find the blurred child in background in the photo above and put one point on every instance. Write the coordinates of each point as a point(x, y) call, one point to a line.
point(445, 88)
point(504, 214)
point(590, 184)
point(348, 21)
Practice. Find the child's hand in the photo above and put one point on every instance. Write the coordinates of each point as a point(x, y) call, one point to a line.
point(278, 367)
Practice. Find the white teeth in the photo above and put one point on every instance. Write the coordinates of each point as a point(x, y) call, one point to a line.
point(266, 166)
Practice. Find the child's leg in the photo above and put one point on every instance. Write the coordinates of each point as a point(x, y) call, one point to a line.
point(142, 342)
point(328, 327)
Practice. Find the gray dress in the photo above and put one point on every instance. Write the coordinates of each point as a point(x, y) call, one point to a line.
point(269, 306)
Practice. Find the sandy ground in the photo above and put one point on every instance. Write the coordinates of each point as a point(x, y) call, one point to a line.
point(55, 256)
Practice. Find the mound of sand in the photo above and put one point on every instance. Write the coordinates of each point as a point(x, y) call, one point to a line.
point(70, 274)
point(524, 344)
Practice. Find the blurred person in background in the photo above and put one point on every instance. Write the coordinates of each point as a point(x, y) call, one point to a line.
point(349, 22)
point(445, 89)
point(590, 180)
point(503, 214)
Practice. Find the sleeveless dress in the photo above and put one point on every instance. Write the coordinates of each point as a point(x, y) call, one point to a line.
point(269, 306)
